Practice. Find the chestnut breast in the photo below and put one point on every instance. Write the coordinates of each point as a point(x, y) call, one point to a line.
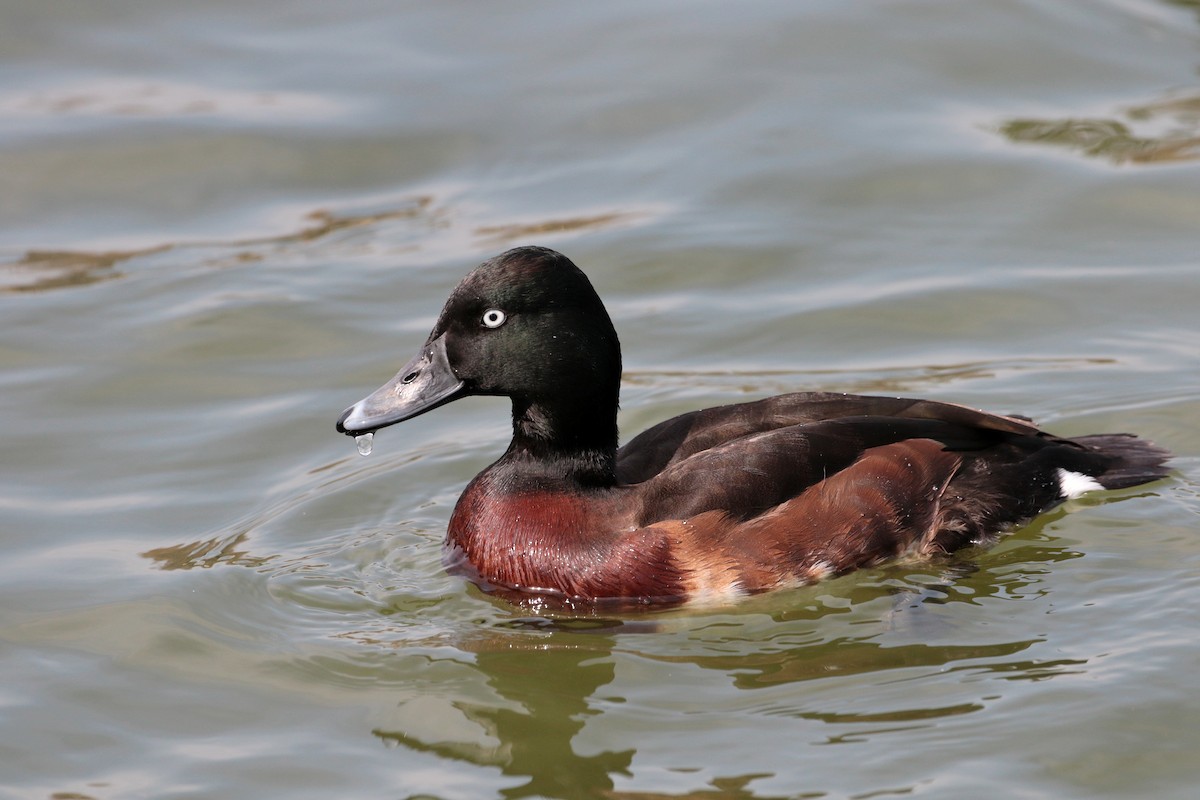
point(551, 541)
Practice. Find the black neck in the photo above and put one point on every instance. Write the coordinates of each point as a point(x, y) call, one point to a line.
point(575, 440)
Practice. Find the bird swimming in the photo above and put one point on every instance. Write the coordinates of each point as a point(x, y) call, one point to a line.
point(716, 503)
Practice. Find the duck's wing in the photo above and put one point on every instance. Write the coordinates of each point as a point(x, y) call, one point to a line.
point(750, 475)
point(682, 437)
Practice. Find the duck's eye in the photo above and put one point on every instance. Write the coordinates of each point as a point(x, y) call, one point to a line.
point(493, 318)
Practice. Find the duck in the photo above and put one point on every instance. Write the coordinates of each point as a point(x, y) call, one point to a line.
point(714, 504)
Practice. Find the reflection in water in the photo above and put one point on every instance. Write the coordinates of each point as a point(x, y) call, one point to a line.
point(322, 223)
point(535, 735)
point(1114, 139)
point(548, 675)
point(40, 270)
point(887, 380)
point(848, 657)
point(205, 553)
point(160, 98)
point(1174, 133)
point(500, 234)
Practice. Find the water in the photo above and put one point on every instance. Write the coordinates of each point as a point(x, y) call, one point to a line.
point(364, 443)
point(222, 223)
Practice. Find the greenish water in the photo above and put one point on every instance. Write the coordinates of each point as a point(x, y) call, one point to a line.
point(221, 223)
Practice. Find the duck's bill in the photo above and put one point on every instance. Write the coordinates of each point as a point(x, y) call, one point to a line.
point(423, 384)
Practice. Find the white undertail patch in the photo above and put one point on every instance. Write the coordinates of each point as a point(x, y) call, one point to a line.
point(1073, 484)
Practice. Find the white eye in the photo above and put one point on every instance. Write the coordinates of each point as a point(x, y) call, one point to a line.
point(493, 318)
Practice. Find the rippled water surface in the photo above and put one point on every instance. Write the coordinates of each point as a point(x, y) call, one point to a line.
point(221, 223)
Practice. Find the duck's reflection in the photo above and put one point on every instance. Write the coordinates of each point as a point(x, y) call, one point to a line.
point(549, 686)
point(548, 675)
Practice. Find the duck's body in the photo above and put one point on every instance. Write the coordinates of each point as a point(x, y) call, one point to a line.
point(715, 503)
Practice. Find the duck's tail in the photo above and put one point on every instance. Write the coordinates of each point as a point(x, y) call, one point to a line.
point(1131, 461)
point(990, 495)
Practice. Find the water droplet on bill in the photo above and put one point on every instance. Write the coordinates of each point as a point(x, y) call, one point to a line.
point(364, 442)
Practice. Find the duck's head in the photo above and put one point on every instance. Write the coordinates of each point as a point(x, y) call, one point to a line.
point(526, 324)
